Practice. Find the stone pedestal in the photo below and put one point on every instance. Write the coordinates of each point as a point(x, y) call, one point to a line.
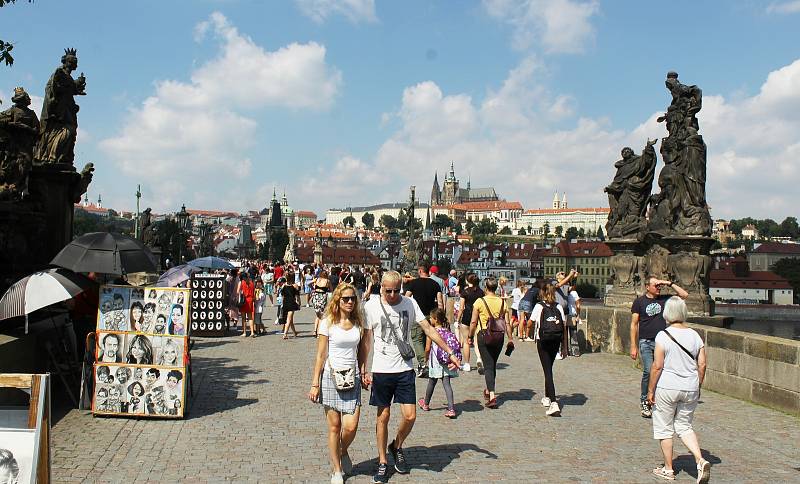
point(681, 259)
point(625, 268)
point(34, 230)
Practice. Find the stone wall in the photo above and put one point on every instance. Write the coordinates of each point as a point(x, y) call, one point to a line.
point(760, 369)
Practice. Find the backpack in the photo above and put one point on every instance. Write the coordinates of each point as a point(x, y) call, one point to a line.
point(551, 324)
point(452, 342)
point(495, 332)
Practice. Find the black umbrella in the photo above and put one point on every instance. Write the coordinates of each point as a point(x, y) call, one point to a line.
point(105, 252)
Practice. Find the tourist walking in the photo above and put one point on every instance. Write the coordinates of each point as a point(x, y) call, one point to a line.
point(573, 320)
point(232, 282)
point(373, 286)
point(308, 284)
point(469, 295)
point(516, 297)
point(269, 283)
point(438, 363)
point(677, 373)
point(336, 382)
point(290, 293)
point(247, 294)
point(319, 298)
point(279, 318)
point(646, 321)
point(389, 320)
point(490, 313)
point(549, 323)
point(428, 295)
point(258, 309)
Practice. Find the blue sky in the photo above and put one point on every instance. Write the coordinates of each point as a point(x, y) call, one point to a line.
point(212, 103)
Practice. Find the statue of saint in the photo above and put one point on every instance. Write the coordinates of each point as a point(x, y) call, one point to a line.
point(19, 127)
point(146, 229)
point(680, 208)
point(629, 191)
point(59, 120)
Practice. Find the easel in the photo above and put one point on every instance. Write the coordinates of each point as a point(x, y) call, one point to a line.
point(38, 420)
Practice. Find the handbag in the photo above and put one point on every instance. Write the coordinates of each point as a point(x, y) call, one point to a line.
point(495, 332)
point(406, 351)
point(344, 379)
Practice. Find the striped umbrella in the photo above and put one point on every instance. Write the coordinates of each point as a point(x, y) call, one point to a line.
point(41, 289)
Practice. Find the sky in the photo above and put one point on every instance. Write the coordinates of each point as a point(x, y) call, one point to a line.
point(213, 103)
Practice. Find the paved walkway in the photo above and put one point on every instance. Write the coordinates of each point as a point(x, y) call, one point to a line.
point(250, 421)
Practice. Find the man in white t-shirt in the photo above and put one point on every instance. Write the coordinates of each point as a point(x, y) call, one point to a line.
point(390, 317)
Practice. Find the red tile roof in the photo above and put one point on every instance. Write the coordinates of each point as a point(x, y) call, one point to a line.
point(579, 249)
point(546, 211)
point(211, 213)
point(306, 213)
point(726, 278)
point(777, 248)
point(488, 206)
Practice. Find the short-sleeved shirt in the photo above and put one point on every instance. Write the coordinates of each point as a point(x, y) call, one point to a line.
point(528, 301)
point(650, 311)
point(680, 370)
point(342, 344)
point(424, 290)
point(516, 296)
point(385, 355)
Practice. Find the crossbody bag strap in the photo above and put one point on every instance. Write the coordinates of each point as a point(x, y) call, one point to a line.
point(490, 317)
point(694, 358)
point(389, 319)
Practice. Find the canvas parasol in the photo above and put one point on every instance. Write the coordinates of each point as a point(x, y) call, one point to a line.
point(107, 253)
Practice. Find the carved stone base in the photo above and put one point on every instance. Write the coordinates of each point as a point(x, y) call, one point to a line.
point(681, 259)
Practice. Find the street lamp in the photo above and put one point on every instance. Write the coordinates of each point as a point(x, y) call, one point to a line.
point(183, 223)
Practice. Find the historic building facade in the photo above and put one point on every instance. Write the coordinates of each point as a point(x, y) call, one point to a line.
point(451, 193)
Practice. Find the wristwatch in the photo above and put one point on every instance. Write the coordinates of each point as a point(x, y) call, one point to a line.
point(671, 283)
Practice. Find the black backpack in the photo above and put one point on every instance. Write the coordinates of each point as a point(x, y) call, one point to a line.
point(551, 324)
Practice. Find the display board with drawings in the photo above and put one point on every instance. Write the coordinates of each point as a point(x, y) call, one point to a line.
point(208, 305)
point(141, 356)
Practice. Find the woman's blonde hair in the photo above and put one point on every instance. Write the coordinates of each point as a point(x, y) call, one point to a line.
point(549, 294)
point(332, 310)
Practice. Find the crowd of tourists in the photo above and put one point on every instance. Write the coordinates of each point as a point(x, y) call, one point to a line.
point(429, 325)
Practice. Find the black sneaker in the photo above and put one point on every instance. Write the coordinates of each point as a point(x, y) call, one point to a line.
point(399, 459)
point(382, 474)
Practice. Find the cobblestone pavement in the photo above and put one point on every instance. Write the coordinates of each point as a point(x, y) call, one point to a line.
point(250, 421)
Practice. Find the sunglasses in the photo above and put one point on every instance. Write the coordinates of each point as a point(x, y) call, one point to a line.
point(348, 299)
point(392, 291)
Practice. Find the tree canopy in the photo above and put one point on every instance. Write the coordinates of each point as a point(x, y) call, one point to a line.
point(368, 220)
point(789, 269)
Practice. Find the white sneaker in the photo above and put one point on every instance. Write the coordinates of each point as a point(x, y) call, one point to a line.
point(337, 478)
point(554, 410)
point(545, 402)
point(558, 356)
point(466, 367)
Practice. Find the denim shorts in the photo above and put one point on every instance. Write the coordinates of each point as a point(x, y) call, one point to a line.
point(400, 387)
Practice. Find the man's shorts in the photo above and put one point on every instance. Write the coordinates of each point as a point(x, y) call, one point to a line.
point(400, 387)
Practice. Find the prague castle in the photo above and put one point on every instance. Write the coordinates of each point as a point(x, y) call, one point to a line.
point(450, 193)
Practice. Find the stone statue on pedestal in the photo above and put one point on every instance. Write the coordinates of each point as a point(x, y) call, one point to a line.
point(147, 231)
point(629, 192)
point(59, 120)
point(19, 128)
point(288, 255)
point(680, 208)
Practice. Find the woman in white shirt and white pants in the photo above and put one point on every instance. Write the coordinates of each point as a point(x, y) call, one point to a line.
point(677, 373)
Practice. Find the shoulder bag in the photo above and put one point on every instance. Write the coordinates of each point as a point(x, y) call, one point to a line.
point(344, 379)
point(495, 332)
point(406, 351)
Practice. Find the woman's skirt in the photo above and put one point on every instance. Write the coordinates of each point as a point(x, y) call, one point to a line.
point(318, 301)
point(330, 397)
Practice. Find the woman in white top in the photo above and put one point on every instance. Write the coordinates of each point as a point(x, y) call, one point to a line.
point(340, 348)
point(516, 297)
point(679, 367)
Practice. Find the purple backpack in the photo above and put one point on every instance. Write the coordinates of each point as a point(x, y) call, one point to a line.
point(451, 341)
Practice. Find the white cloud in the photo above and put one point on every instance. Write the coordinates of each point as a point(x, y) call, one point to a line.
point(792, 6)
point(526, 153)
point(558, 25)
point(188, 133)
point(355, 10)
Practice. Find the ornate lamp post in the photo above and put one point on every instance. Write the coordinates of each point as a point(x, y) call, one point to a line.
point(183, 223)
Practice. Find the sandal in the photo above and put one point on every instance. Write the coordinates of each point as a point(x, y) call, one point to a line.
point(664, 473)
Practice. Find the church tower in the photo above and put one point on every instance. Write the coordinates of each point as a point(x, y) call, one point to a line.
point(556, 202)
point(450, 191)
point(564, 200)
point(436, 193)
